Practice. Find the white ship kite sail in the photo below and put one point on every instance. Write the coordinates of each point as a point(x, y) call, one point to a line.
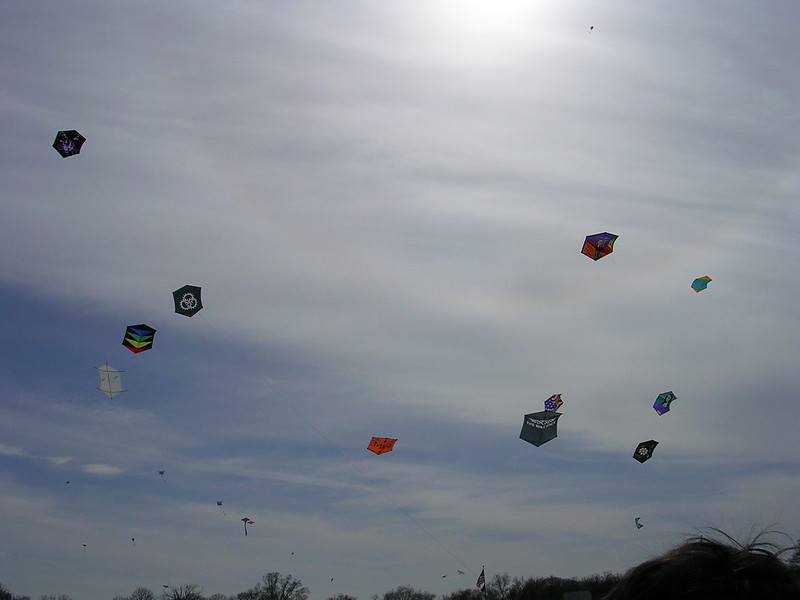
point(110, 380)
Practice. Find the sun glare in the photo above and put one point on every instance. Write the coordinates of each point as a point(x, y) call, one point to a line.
point(485, 17)
point(492, 28)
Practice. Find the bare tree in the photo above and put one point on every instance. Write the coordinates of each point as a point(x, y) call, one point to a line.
point(183, 592)
point(498, 586)
point(342, 597)
point(274, 586)
point(405, 592)
point(142, 593)
point(502, 587)
point(466, 594)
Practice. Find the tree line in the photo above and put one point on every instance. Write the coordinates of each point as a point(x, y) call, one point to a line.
point(276, 586)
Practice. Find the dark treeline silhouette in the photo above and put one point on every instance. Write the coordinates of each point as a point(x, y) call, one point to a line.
point(275, 586)
point(6, 595)
point(503, 587)
point(688, 570)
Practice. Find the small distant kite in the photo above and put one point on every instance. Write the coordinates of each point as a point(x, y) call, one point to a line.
point(247, 521)
point(599, 245)
point(110, 380)
point(68, 143)
point(663, 401)
point(187, 300)
point(701, 283)
point(644, 451)
point(553, 403)
point(380, 445)
point(138, 338)
point(161, 474)
point(591, 27)
point(84, 549)
point(219, 503)
point(638, 525)
point(133, 541)
point(540, 427)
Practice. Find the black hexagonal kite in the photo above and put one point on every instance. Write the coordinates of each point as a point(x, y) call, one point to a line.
point(644, 451)
point(68, 143)
point(187, 300)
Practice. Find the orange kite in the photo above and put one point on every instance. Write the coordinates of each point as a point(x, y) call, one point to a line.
point(380, 445)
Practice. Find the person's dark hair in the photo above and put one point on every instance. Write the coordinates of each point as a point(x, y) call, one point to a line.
point(713, 569)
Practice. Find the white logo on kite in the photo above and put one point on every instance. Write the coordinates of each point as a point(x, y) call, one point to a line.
point(188, 301)
point(541, 423)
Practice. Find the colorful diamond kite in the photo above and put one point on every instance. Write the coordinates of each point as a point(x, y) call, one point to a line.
point(138, 338)
point(663, 401)
point(599, 245)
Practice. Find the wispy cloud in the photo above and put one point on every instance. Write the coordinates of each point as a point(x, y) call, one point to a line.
point(20, 453)
point(10, 451)
point(101, 469)
point(384, 204)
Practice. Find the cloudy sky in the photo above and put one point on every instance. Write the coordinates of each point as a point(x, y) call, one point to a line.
point(384, 204)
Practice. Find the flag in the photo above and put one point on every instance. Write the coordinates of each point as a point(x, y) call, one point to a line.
point(481, 583)
point(553, 403)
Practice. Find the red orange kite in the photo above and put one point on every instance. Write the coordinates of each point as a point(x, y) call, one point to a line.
point(380, 445)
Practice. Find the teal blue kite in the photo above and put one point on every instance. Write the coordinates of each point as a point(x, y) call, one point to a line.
point(701, 283)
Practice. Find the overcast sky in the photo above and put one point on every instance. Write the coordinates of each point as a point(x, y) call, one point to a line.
point(384, 204)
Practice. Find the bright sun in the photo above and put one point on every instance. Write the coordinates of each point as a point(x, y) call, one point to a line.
point(493, 26)
point(485, 16)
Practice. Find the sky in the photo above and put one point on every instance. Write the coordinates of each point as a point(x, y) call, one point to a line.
point(384, 204)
